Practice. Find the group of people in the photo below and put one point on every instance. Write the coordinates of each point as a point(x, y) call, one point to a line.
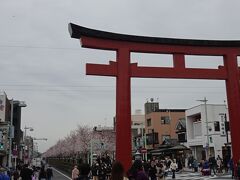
point(27, 172)
point(154, 169)
point(100, 170)
point(103, 169)
point(213, 166)
point(35, 173)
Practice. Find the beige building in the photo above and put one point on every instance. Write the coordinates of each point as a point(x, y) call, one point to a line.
point(161, 124)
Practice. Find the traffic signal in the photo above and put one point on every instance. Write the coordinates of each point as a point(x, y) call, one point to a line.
point(1, 146)
point(1, 136)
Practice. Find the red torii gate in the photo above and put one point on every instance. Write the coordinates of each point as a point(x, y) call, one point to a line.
point(123, 70)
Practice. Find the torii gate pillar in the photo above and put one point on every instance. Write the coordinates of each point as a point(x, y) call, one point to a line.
point(123, 108)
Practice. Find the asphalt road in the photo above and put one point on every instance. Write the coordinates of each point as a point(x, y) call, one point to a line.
point(57, 175)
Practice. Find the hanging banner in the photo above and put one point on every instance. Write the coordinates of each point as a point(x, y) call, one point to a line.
point(2, 107)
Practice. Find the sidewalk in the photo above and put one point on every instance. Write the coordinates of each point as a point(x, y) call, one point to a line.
point(186, 169)
point(218, 175)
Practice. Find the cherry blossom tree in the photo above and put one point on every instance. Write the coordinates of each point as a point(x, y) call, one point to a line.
point(79, 141)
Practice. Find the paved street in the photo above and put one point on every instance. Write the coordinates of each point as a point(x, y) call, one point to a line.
point(197, 176)
point(183, 176)
point(57, 175)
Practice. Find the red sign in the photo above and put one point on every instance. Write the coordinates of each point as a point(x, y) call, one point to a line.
point(15, 152)
point(143, 150)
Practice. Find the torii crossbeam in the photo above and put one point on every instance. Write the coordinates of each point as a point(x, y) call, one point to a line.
point(123, 70)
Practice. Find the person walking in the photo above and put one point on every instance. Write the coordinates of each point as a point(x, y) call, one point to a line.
point(95, 170)
point(49, 173)
point(84, 172)
point(195, 165)
point(117, 172)
point(16, 174)
point(212, 164)
point(219, 165)
point(179, 165)
point(231, 166)
point(238, 169)
point(136, 171)
point(42, 174)
point(26, 173)
point(152, 171)
point(3, 174)
point(173, 167)
point(75, 173)
point(160, 171)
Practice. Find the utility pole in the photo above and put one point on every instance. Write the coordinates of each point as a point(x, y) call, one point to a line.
point(226, 127)
point(144, 142)
point(207, 132)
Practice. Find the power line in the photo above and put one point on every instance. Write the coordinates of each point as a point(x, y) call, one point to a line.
point(97, 91)
point(37, 47)
point(107, 86)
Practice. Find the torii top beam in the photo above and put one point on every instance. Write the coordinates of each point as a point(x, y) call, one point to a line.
point(96, 39)
point(80, 31)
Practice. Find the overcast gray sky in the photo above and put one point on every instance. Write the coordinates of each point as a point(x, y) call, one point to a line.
point(43, 66)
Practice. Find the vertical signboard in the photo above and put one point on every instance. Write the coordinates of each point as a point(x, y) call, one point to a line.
point(2, 107)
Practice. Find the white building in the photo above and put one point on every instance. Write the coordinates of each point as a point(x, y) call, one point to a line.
point(138, 128)
point(199, 128)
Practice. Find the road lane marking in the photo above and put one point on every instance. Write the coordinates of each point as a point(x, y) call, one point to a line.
point(62, 174)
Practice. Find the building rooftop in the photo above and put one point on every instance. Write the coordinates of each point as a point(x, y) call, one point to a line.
point(170, 110)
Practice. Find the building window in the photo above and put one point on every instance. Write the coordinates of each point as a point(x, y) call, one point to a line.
point(165, 120)
point(216, 126)
point(149, 122)
point(152, 138)
point(211, 139)
point(182, 137)
point(197, 118)
point(165, 137)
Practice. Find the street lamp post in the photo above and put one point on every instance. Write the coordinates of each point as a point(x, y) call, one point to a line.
point(44, 139)
point(35, 147)
point(144, 141)
point(25, 131)
point(10, 137)
point(25, 142)
point(206, 119)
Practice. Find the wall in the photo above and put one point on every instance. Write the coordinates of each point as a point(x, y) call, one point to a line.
point(164, 129)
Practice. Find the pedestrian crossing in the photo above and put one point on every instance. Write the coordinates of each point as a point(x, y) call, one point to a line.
point(196, 176)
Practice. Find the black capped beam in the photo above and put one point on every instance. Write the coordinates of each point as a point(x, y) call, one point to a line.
point(77, 32)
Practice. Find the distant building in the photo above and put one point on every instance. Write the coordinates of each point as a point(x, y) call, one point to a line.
point(138, 129)
point(18, 133)
point(151, 106)
point(5, 108)
point(198, 135)
point(5, 117)
point(7, 131)
point(161, 124)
